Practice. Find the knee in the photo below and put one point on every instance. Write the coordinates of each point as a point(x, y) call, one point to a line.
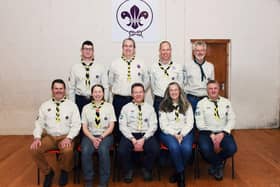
point(187, 149)
point(67, 151)
point(103, 151)
point(231, 149)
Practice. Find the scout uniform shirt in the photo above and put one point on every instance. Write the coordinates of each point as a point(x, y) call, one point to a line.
point(216, 119)
point(195, 82)
point(132, 122)
point(122, 76)
point(107, 115)
point(162, 74)
point(171, 124)
point(58, 120)
point(83, 77)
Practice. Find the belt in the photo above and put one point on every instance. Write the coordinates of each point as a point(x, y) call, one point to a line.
point(197, 97)
point(87, 97)
point(158, 97)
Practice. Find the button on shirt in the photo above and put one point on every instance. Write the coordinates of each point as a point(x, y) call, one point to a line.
point(107, 115)
point(206, 120)
point(69, 124)
point(192, 78)
point(118, 76)
point(77, 78)
point(169, 125)
point(128, 121)
point(160, 81)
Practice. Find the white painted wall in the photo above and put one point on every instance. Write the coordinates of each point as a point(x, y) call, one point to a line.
point(40, 41)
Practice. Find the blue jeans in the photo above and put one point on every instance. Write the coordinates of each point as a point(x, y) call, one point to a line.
point(104, 159)
point(206, 147)
point(180, 153)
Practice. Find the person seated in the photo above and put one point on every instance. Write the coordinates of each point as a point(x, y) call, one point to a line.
point(215, 119)
point(176, 124)
point(138, 123)
point(98, 119)
point(57, 124)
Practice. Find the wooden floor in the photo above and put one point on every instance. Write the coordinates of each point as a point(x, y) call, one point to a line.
point(257, 163)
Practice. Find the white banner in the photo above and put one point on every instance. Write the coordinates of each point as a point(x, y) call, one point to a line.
point(136, 19)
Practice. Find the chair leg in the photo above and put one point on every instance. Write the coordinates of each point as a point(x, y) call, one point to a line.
point(38, 176)
point(196, 167)
point(232, 168)
point(158, 169)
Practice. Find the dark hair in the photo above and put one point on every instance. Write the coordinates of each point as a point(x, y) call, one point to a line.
point(100, 86)
point(213, 82)
point(60, 81)
point(87, 42)
point(166, 104)
point(129, 39)
point(137, 84)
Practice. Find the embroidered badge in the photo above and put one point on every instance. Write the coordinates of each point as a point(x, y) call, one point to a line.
point(97, 76)
point(66, 117)
point(49, 109)
point(173, 78)
point(146, 120)
point(121, 117)
point(139, 74)
point(105, 118)
point(138, 66)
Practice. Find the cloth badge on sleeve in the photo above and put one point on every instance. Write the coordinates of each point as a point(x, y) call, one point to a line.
point(49, 109)
point(66, 117)
point(105, 118)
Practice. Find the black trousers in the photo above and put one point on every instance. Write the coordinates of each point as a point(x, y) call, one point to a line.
point(150, 153)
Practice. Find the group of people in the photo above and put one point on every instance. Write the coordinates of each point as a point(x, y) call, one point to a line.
point(186, 100)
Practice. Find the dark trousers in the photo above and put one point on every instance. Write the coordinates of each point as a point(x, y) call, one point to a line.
point(81, 101)
point(151, 151)
point(206, 147)
point(118, 102)
point(157, 101)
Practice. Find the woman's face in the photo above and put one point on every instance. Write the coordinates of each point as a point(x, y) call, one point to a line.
point(174, 92)
point(97, 94)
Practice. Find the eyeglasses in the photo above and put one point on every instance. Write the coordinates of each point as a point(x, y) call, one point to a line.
point(88, 49)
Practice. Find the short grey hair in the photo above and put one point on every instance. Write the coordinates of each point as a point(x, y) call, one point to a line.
point(199, 43)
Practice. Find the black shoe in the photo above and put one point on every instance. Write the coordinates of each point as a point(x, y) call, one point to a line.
point(173, 178)
point(147, 174)
point(63, 179)
point(212, 170)
point(181, 179)
point(128, 176)
point(219, 174)
point(88, 183)
point(48, 179)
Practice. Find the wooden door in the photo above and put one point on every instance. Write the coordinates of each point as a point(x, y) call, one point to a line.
point(217, 54)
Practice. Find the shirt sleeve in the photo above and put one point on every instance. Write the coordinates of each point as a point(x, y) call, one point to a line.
point(163, 123)
point(39, 124)
point(123, 124)
point(145, 77)
point(199, 116)
point(72, 85)
point(152, 125)
point(190, 120)
point(105, 83)
point(230, 119)
point(75, 125)
point(111, 75)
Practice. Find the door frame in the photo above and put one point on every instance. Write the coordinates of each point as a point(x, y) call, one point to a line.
point(227, 42)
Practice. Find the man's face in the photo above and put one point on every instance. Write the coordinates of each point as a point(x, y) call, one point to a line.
point(213, 90)
point(128, 48)
point(199, 52)
point(87, 52)
point(174, 92)
point(97, 93)
point(165, 52)
point(58, 91)
point(138, 94)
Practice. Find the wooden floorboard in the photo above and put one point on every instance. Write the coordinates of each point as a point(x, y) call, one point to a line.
point(257, 163)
